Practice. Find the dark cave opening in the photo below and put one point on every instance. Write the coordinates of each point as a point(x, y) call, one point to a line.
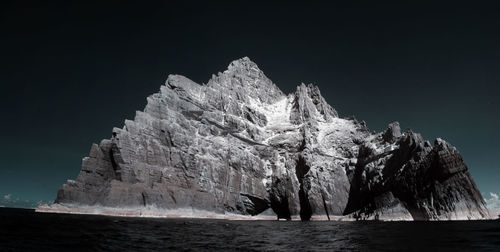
point(301, 170)
point(279, 200)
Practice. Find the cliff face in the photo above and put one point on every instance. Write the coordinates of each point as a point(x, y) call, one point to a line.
point(239, 145)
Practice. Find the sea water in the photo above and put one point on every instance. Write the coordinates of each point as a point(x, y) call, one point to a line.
point(26, 230)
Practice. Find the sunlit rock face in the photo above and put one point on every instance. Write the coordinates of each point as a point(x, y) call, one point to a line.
point(239, 145)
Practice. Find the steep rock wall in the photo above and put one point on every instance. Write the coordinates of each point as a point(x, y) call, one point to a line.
point(239, 145)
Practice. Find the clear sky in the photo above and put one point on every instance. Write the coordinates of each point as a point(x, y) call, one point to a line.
point(71, 72)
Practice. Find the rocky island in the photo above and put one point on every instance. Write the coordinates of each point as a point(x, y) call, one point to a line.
point(238, 147)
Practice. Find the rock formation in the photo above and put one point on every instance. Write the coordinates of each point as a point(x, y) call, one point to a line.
point(239, 145)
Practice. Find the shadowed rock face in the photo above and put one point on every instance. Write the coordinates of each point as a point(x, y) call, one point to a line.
point(431, 182)
point(239, 145)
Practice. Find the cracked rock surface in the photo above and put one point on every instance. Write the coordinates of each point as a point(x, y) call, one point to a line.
point(239, 145)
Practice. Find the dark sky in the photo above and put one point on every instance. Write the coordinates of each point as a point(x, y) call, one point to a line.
point(71, 72)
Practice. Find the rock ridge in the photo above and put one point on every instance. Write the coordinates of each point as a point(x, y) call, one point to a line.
point(239, 145)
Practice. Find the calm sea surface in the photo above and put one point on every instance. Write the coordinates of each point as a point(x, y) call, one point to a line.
point(25, 230)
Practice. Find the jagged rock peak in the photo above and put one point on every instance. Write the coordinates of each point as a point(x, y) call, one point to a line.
point(443, 145)
point(243, 64)
point(245, 78)
point(239, 145)
point(392, 133)
point(308, 101)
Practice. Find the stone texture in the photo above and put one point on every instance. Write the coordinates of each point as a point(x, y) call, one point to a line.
point(239, 145)
point(433, 182)
point(392, 133)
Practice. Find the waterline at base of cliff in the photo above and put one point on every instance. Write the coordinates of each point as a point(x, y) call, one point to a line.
point(192, 213)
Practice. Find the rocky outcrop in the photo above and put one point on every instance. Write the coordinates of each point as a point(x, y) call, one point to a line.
point(238, 145)
point(431, 182)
